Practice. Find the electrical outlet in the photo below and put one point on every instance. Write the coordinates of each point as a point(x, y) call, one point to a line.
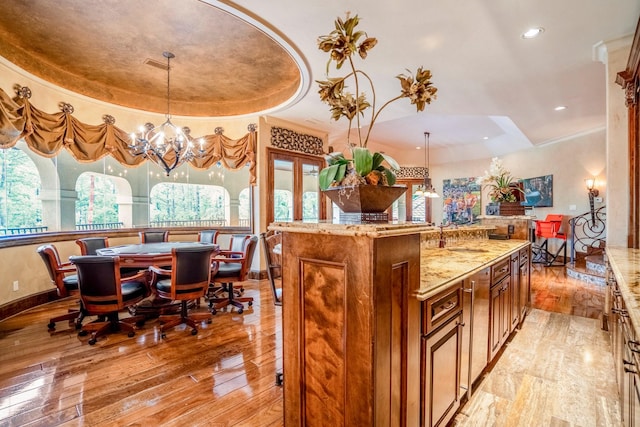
point(572, 207)
point(511, 229)
point(598, 199)
point(16, 285)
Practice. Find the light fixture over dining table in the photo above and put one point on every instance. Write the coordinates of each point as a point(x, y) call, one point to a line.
point(426, 188)
point(167, 145)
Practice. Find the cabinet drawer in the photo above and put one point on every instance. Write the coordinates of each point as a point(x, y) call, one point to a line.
point(499, 270)
point(440, 308)
point(524, 256)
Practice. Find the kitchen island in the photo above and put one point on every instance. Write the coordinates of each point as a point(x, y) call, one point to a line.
point(360, 303)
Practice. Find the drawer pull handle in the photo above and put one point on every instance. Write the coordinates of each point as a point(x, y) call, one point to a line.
point(448, 306)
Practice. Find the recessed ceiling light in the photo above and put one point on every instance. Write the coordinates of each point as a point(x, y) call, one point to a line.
point(532, 33)
point(418, 148)
point(560, 107)
point(485, 137)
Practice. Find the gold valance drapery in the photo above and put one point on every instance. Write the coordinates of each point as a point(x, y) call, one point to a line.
point(46, 134)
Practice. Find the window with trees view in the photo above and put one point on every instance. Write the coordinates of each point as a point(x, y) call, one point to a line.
point(20, 203)
point(39, 194)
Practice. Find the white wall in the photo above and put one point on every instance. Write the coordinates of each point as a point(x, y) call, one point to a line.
point(570, 162)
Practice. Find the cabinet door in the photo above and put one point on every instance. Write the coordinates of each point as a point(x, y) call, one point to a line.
point(514, 312)
point(500, 320)
point(524, 289)
point(441, 353)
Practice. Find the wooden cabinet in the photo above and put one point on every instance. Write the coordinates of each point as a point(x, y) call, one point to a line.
point(441, 352)
point(475, 333)
point(500, 306)
point(514, 311)
point(524, 283)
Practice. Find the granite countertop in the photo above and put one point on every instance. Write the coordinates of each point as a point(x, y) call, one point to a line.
point(442, 267)
point(625, 264)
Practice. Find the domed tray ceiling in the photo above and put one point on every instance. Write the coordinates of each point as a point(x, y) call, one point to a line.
point(112, 51)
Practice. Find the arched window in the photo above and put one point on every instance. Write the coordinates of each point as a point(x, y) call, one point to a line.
point(20, 188)
point(177, 204)
point(244, 207)
point(97, 205)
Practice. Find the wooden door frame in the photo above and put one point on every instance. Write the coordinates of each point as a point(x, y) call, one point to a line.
point(297, 159)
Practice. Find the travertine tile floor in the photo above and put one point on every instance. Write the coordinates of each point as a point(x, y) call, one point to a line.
point(558, 369)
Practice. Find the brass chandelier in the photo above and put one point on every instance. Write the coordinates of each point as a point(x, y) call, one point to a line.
point(167, 145)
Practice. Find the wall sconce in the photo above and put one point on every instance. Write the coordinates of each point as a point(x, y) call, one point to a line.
point(591, 183)
point(593, 193)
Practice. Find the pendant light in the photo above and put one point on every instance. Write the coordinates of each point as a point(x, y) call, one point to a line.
point(426, 188)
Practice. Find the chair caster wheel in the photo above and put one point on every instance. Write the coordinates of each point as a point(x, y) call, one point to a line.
point(214, 311)
point(92, 341)
point(240, 311)
point(130, 334)
point(51, 326)
point(82, 333)
point(163, 335)
point(250, 303)
point(194, 332)
point(209, 321)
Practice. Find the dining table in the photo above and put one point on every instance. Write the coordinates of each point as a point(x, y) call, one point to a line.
point(143, 255)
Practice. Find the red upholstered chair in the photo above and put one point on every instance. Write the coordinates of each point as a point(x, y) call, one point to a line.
point(550, 228)
point(63, 276)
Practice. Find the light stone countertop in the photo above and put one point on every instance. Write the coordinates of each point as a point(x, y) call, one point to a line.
point(625, 264)
point(463, 255)
point(442, 267)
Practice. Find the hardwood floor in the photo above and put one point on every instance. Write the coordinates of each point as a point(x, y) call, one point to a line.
point(225, 376)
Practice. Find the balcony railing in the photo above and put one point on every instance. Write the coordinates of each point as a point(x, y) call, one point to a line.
point(22, 230)
point(190, 223)
point(100, 226)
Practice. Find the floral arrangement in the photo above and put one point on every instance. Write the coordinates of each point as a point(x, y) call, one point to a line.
point(498, 179)
point(365, 167)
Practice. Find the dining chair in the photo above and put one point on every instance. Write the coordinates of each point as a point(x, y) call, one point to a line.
point(64, 278)
point(157, 236)
point(187, 280)
point(233, 266)
point(208, 236)
point(89, 245)
point(272, 245)
point(104, 293)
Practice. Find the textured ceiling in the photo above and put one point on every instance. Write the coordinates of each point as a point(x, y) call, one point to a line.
point(497, 92)
point(98, 48)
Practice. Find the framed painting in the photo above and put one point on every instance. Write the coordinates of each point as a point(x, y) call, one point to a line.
point(461, 201)
point(538, 191)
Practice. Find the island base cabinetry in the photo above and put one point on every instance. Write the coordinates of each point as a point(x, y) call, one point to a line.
point(626, 357)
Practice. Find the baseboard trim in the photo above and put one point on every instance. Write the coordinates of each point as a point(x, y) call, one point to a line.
point(21, 304)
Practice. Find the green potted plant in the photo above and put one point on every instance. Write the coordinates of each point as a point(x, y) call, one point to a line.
point(364, 167)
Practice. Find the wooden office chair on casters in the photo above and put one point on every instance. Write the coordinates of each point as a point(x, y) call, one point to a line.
point(187, 280)
point(64, 278)
point(272, 244)
point(548, 229)
point(104, 294)
point(208, 236)
point(233, 266)
point(89, 245)
point(158, 236)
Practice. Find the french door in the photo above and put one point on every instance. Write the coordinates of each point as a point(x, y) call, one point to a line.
point(293, 192)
